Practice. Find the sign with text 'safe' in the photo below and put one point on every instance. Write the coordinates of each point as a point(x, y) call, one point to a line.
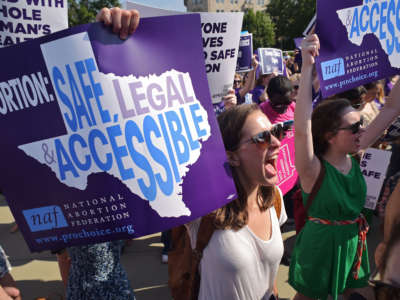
point(374, 164)
point(22, 20)
point(364, 45)
point(110, 148)
point(220, 35)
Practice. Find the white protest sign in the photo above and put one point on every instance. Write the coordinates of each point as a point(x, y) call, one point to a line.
point(221, 36)
point(374, 164)
point(22, 20)
point(149, 11)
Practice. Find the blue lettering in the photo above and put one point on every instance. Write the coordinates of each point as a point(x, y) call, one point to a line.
point(97, 90)
point(364, 10)
point(97, 134)
point(119, 151)
point(194, 144)
point(131, 130)
point(61, 156)
point(169, 147)
point(391, 29)
point(382, 33)
point(354, 25)
point(76, 138)
point(87, 91)
point(375, 7)
point(197, 120)
point(175, 128)
point(80, 108)
point(70, 119)
point(149, 126)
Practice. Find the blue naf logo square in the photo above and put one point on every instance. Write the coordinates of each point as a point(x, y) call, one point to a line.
point(45, 218)
point(332, 68)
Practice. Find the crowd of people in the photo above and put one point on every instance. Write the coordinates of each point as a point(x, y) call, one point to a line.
point(242, 257)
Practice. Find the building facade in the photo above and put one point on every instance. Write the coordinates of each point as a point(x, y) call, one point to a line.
point(225, 5)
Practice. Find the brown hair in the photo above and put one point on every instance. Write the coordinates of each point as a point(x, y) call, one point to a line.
point(234, 215)
point(326, 118)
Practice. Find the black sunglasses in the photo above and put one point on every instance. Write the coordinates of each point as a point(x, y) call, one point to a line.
point(354, 128)
point(237, 81)
point(296, 87)
point(278, 130)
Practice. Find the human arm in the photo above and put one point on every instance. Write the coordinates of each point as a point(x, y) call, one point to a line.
point(392, 215)
point(251, 78)
point(385, 117)
point(124, 22)
point(229, 99)
point(8, 288)
point(307, 163)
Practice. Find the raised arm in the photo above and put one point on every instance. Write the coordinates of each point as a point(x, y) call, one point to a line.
point(386, 116)
point(251, 78)
point(307, 163)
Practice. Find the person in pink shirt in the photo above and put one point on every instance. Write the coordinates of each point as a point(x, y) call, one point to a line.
point(280, 106)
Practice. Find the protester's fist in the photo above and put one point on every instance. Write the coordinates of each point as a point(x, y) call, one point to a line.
point(229, 99)
point(309, 49)
point(254, 62)
point(124, 22)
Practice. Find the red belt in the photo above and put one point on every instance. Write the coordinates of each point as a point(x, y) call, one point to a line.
point(362, 237)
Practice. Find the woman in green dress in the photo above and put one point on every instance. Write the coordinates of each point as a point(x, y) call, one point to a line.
point(330, 254)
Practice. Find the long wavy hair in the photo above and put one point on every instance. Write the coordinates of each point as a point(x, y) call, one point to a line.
point(326, 118)
point(234, 215)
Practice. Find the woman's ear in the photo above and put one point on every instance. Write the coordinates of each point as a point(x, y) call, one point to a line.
point(329, 136)
point(233, 159)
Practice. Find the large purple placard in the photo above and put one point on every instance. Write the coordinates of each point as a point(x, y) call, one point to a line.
point(109, 139)
point(245, 54)
point(359, 43)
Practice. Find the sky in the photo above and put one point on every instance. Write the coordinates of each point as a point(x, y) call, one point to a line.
point(165, 4)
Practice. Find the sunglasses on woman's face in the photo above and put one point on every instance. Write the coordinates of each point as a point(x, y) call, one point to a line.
point(264, 138)
point(355, 127)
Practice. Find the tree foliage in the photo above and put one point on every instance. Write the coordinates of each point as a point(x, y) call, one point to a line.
point(262, 28)
point(290, 17)
point(85, 11)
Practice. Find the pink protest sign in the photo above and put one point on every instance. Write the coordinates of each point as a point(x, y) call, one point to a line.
point(287, 175)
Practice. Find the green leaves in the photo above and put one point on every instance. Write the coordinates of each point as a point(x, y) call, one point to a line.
point(262, 28)
point(85, 11)
point(290, 17)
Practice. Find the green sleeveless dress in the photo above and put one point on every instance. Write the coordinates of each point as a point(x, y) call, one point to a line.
point(324, 255)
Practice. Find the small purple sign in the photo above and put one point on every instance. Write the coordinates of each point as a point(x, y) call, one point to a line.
point(359, 43)
point(271, 60)
point(245, 53)
point(109, 139)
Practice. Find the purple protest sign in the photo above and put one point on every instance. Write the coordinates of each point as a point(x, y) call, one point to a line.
point(297, 42)
point(271, 60)
point(359, 43)
point(245, 53)
point(109, 139)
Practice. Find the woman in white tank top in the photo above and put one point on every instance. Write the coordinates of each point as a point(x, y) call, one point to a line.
point(242, 257)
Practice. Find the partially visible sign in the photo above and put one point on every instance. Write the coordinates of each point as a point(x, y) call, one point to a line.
point(22, 20)
point(374, 164)
point(271, 60)
point(245, 54)
point(287, 174)
point(221, 36)
point(360, 43)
